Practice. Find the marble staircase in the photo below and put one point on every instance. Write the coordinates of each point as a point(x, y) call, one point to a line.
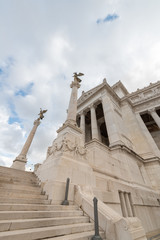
point(26, 213)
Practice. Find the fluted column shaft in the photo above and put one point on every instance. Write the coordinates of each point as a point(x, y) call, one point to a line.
point(20, 161)
point(155, 116)
point(30, 138)
point(82, 123)
point(72, 109)
point(94, 125)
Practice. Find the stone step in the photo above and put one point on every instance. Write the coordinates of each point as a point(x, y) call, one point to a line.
point(9, 225)
point(20, 176)
point(35, 207)
point(24, 201)
point(24, 190)
point(46, 232)
point(156, 237)
point(8, 194)
point(78, 236)
point(12, 186)
point(16, 172)
point(6, 215)
point(153, 235)
point(17, 180)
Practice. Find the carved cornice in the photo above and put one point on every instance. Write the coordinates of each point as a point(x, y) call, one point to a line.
point(152, 85)
point(70, 125)
point(120, 85)
point(145, 94)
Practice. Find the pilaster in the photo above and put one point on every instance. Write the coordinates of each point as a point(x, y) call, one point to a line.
point(111, 123)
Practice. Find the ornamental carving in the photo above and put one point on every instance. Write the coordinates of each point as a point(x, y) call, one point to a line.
point(66, 145)
point(142, 97)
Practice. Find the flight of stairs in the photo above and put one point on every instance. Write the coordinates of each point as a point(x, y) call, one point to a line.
point(27, 214)
point(154, 235)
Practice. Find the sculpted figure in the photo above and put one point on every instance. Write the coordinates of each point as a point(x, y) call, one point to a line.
point(41, 116)
point(76, 75)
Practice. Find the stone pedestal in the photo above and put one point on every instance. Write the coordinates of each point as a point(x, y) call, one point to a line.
point(67, 157)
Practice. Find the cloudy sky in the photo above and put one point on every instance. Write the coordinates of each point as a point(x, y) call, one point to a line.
point(42, 42)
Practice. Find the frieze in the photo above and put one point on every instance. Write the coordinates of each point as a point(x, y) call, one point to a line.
point(66, 145)
point(145, 106)
point(144, 96)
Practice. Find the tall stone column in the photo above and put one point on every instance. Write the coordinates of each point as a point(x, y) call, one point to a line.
point(72, 109)
point(82, 123)
point(155, 116)
point(94, 125)
point(21, 159)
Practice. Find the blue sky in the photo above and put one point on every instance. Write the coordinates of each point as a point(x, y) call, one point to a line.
point(108, 18)
point(43, 42)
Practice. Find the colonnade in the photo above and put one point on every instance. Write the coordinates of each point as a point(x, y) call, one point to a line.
point(112, 135)
point(94, 124)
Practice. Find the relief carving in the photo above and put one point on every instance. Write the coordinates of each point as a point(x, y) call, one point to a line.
point(66, 145)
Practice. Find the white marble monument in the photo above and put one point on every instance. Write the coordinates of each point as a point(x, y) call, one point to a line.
point(109, 148)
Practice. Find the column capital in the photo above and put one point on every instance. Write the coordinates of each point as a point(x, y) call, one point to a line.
point(37, 122)
point(82, 112)
point(92, 105)
point(75, 84)
point(152, 110)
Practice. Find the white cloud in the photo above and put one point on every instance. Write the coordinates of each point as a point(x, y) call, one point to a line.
point(49, 40)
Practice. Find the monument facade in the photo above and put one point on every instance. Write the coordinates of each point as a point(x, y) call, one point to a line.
point(109, 147)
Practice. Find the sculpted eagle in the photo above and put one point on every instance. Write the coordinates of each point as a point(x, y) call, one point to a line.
point(41, 116)
point(76, 75)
